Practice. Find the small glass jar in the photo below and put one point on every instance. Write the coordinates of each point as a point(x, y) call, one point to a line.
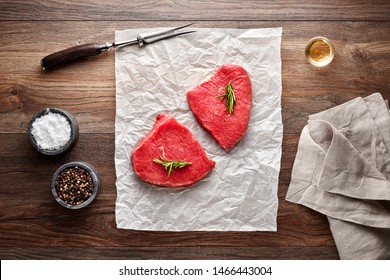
point(72, 172)
point(74, 131)
point(319, 51)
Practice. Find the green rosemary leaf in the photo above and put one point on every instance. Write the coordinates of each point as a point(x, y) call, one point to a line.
point(230, 98)
point(170, 164)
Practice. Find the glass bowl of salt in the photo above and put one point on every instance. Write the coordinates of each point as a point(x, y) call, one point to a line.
point(53, 131)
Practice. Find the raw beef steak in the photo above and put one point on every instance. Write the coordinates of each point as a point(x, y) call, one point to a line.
point(170, 140)
point(210, 106)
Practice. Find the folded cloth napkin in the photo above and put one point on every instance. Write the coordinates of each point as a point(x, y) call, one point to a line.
point(342, 170)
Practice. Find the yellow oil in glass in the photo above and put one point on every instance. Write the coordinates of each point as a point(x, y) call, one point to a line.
point(319, 51)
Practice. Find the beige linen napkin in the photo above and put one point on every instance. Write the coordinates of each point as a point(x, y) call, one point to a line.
point(342, 169)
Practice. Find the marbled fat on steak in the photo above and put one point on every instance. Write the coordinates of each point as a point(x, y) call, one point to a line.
point(210, 110)
point(172, 141)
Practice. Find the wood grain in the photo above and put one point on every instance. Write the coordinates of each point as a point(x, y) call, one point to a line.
point(33, 226)
point(195, 10)
point(172, 253)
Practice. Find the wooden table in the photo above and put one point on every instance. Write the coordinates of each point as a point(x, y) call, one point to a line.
point(33, 226)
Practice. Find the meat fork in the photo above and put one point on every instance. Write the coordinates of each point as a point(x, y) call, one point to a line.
point(73, 53)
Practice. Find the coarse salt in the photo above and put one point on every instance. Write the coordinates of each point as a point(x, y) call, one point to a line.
point(51, 131)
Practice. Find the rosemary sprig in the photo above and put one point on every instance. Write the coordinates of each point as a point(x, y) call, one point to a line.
point(230, 98)
point(171, 164)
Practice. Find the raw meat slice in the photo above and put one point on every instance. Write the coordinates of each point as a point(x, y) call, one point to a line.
point(211, 111)
point(170, 140)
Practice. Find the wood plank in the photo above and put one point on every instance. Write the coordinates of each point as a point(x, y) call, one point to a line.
point(50, 226)
point(171, 253)
point(199, 10)
point(30, 216)
point(22, 163)
point(87, 88)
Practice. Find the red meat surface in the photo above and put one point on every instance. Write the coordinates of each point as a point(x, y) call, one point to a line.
point(211, 112)
point(173, 141)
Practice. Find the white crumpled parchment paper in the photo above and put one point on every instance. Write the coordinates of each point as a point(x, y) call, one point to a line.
point(240, 194)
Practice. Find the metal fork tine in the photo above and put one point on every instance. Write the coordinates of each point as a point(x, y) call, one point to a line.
point(152, 37)
point(160, 33)
point(164, 36)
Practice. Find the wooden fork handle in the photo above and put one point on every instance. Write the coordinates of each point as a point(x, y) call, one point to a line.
point(70, 54)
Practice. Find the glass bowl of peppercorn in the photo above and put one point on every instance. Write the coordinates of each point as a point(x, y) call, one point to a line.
point(75, 184)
